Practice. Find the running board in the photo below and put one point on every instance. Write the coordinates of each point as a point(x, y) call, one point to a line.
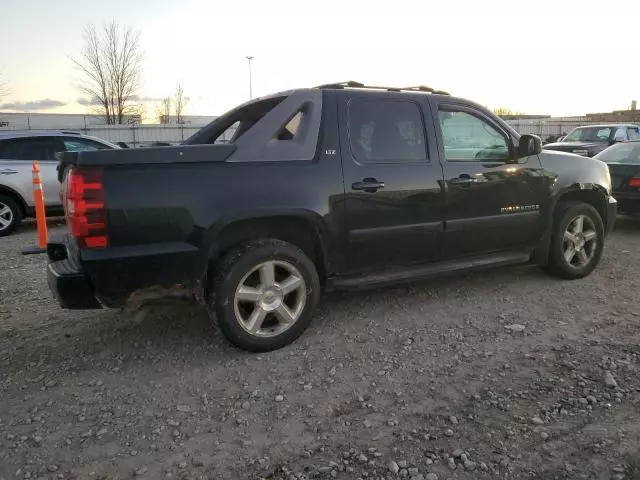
point(422, 272)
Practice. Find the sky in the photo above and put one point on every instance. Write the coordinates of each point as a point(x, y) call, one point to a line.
point(559, 57)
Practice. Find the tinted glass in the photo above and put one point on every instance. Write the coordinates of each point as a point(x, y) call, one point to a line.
point(386, 131)
point(589, 134)
point(470, 138)
point(29, 149)
point(621, 153)
point(82, 145)
point(634, 133)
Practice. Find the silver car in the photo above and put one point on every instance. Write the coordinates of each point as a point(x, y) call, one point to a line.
point(18, 150)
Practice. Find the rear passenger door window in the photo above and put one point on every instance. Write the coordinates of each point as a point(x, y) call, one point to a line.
point(386, 131)
point(30, 149)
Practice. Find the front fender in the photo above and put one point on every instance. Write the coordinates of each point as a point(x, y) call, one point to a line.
point(568, 171)
point(572, 177)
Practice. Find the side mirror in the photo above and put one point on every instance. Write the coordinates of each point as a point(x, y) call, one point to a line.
point(529, 145)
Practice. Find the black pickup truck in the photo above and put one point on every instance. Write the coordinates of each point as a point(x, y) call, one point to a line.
point(339, 186)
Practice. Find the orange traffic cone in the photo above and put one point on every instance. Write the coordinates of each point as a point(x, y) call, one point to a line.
point(38, 199)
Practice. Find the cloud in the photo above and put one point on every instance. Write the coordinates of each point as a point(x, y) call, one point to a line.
point(137, 98)
point(134, 98)
point(88, 102)
point(33, 105)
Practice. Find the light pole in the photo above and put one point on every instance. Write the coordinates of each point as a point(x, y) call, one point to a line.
point(250, 86)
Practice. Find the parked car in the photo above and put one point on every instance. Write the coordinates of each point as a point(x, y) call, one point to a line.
point(591, 140)
point(18, 150)
point(623, 160)
point(340, 186)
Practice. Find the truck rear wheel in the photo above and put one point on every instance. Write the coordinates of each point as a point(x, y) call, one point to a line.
point(576, 241)
point(264, 294)
point(10, 215)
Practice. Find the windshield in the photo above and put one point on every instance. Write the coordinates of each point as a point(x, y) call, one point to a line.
point(589, 134)
point(621, 153)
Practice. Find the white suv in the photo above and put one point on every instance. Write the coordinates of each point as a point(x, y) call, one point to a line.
point(18, 150)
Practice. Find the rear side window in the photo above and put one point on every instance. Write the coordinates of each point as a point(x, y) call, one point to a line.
point(386, 131)
point(82, 145)
point(289, 131)
point(29, 149)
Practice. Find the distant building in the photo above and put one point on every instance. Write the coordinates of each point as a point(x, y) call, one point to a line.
point(618, 116)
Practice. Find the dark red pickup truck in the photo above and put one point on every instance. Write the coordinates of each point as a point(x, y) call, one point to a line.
point(340, 186)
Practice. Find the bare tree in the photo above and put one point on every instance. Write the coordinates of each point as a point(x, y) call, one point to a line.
point(180, 103)
point(111, 64)
point(163, 111)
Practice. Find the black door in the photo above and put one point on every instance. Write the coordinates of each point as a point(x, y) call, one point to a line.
point(493, 200)
point(393, 183)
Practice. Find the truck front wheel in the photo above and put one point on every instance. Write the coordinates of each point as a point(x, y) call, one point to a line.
point(576, 241)
point(263, 294)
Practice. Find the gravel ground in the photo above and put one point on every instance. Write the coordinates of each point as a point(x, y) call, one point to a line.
point(506, 374)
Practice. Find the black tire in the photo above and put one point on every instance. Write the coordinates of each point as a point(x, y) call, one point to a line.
point(15, 215)
point(232, 270)
point(566, 213)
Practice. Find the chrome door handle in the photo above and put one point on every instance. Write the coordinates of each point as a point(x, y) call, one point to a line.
point(369, 185)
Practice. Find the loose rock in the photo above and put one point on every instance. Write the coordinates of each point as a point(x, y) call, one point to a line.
point(516, 328)
point(537, 420)
point(141, 471)
point(469, 465)
point(609, 380)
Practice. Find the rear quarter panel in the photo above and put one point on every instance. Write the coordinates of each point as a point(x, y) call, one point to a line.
point(163, 222)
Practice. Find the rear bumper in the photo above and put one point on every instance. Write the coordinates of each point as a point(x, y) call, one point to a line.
point(119, 276)
point(70, 286)
point(612, 212)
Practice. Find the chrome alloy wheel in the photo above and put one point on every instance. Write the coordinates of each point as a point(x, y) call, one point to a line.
point(270, 298)
point(580, 241)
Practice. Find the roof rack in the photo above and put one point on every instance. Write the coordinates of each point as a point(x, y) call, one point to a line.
point(353, 84)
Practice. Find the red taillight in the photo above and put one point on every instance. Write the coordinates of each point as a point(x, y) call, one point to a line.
point(84, 207)
point(634, 182)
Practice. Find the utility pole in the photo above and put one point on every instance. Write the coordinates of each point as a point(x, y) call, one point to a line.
point(250, 86)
